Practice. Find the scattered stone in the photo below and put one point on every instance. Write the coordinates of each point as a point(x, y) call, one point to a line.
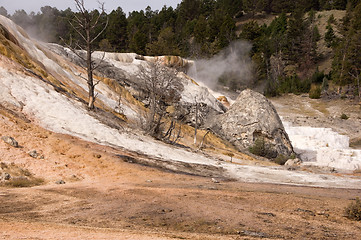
point(253, 234)
point(33, 154)
point(60, 182)
point(5, 176)
point(267, 214)
point(293, 162)
point(215, 180)
point(149, 181)
point(11, 141)
point(97, 155)
point(311, 213)
point(323, 213)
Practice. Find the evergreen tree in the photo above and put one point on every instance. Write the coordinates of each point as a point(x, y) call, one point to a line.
point(4, 12)
point(253, 6)
point(116, 33)
point(330, 36)
point(165, 45)
point(346, 67)
point(137, 32)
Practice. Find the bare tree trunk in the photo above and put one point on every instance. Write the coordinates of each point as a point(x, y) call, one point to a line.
point(196, 123)
point(358, 87)
point(86, 25)
point(204, 137)
point(178, 135)
point(90, 81)
point(343, 63)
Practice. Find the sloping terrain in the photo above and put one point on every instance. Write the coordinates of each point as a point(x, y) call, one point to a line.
point(106, 195)
point(319, 131)
point(103, 179)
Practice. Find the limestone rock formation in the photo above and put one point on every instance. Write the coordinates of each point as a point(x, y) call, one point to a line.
point(252, 121)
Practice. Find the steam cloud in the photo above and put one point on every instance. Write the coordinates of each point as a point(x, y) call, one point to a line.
point(233, 61)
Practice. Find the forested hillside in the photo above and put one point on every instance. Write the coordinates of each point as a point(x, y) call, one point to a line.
point(286, 51)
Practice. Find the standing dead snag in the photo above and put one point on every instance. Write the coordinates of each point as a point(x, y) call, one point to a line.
point(196, 122)
point(162, 89)
point(88, 25)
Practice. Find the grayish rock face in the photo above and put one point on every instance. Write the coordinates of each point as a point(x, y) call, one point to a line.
point(11, 141)
point(251, 120)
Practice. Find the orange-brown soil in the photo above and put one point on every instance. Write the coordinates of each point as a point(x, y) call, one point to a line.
point(106, 197)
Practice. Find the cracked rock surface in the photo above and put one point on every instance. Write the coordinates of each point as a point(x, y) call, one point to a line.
point(252, 117)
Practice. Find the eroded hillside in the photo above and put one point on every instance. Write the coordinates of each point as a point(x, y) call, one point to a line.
point(101, 177)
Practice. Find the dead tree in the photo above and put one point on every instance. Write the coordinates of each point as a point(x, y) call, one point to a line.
point(355, 73)
point(196, 122)
point(89, 25)
point(162, 89)
point(204, 137)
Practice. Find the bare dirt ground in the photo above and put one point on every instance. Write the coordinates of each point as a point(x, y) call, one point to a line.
point(106, 197)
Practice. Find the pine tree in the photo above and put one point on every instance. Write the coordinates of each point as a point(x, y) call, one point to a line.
point(116, 33)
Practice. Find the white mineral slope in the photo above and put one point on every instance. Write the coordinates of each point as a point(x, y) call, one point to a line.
point(323, 147)
point(279, 175)
point(192, 92)
point(58, 113)
point(60, 67)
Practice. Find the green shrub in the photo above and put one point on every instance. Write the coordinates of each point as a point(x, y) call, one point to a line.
point(281, 159)
point(294, 84)
point(261, 148)
point(258, 147)
point(315, 93)
point(317, 77)
point(344, 116)
point(353, 210)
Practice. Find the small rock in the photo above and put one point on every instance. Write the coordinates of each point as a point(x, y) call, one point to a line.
point(5, 176)
point(323, 213)
point(33, 154)
point(149, 181)
point(60, 182)
point(11, 141)
point(97, 155)
point(215, 180)
point(293, 162)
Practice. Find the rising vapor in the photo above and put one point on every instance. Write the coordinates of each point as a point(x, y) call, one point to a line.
point(233, 63)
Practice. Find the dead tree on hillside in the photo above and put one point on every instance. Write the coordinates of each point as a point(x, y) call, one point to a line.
point(195, 121)
point(162, 89)
point(89, 25)
point(356, 74)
